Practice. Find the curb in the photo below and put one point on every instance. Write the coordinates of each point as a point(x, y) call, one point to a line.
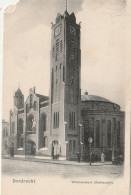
point(56, 162)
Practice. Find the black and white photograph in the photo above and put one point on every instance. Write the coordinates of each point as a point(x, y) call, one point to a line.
point(64, 98)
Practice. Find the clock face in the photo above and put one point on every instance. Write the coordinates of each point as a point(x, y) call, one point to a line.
point(57, 30)
point(72, 30)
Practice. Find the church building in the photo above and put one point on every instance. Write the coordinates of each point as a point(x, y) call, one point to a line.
point(59, 126)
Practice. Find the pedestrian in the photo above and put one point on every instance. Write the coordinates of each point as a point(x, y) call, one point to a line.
point(78, 156)
point(102, 157)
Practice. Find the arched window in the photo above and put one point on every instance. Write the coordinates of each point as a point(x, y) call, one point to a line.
point(5, 144)
point(21, 143)
point(45, 142)
point(118, 133)
point(19, 133)
point(43, 122)
point(5, 133)
point(56, 120)
point(61, 46)
point(31, 124)
point(31, 100)
point(108, 133)
point(20, 126)
point(97, 133)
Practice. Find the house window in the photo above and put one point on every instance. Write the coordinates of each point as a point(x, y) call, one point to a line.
point(108, 133)
point(97, 133)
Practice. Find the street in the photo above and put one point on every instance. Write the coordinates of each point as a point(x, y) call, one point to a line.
point(11, 167)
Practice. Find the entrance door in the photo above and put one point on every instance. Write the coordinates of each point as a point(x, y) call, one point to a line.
point(30, 148)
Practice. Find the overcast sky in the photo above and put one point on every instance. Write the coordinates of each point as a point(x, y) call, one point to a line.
point(27, 42)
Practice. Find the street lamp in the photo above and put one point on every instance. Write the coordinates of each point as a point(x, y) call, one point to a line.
point(90, 142)
point(66, 150)
point(81, 141)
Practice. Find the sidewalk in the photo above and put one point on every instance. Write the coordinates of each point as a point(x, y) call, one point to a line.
point(52, 161)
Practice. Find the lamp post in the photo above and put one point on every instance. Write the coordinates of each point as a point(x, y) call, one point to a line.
point(81, 140)
point(66, 150)
point(90, 142)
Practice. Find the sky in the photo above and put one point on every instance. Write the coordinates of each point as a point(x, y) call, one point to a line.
point(27, 44)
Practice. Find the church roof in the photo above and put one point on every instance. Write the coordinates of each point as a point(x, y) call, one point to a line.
point(42, 97)
point(87, 97)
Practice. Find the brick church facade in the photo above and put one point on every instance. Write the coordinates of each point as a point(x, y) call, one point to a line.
point(59, 126)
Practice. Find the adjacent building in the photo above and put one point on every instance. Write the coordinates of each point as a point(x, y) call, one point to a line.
point(5, 137)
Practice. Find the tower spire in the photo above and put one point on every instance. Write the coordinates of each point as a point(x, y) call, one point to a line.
point(66, 5)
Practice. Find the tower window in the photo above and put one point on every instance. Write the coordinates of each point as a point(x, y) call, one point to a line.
point(72, 120)
point(57, 48)
point(72, 50)
point(61, 46)
point(56, 120)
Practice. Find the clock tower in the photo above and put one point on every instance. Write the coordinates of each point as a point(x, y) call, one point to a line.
point(65, 92)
